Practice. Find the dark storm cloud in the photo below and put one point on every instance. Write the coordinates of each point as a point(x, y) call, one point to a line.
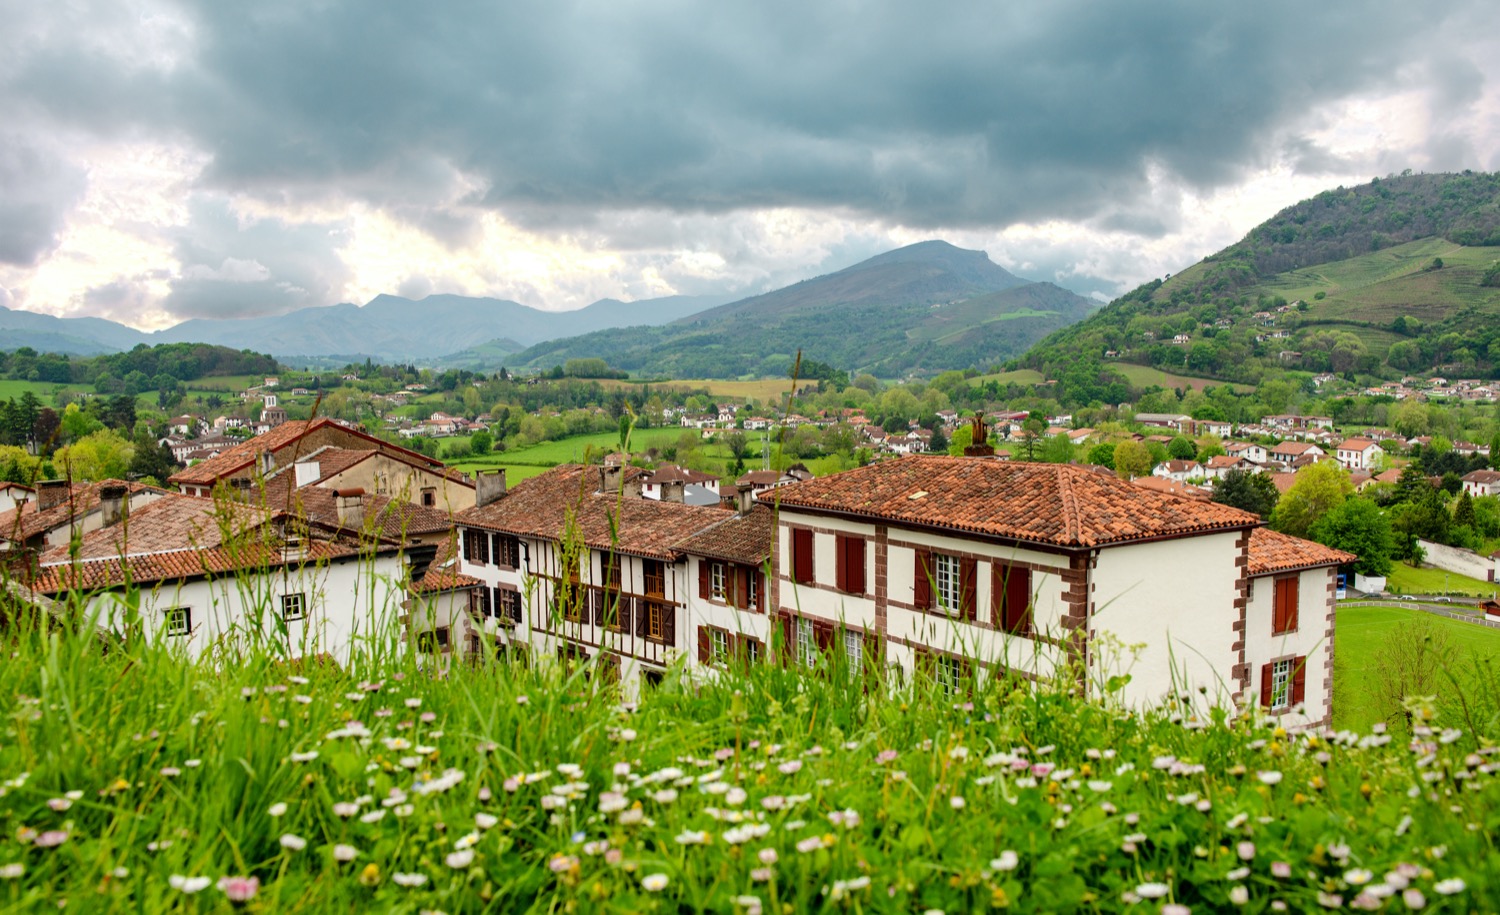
point(949, 114)
point(37, 192)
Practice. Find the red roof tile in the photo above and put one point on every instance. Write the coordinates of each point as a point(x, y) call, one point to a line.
point(544, 505)
point(24, 522)
point(745, 539)
point(1054, 504)
point(1271, 551)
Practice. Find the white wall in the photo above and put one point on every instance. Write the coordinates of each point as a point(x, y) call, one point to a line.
point(1459, 561)
point(1309, 640)
point(1176, 599)
point(351, 607)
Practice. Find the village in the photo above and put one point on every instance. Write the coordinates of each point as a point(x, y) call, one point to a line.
point(322, 540)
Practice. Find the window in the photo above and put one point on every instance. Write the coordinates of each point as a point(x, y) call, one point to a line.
point(651, 678)
point(1283, 683)
point(656, 624)
point(807, 643)
point(947, 583)
point(802, 556)
point(753, 587)
point(293, 607)
point(476, 547)
point(751, 649)
point(178, 621)
point(429, 497)
point(854, 651)
point(851, 563)
point(655, 577)
point(713, 645)
point(1010, 596)
point(509, 605)
point(949, 673)
point(1284, 606)
point(717, 588)
point(433, 641)
point(507, 551)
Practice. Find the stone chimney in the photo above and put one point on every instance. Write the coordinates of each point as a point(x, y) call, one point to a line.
point(673, 491)
point(51, 493)
point(308, 473)
point(350, 504)
point(609, 477)
point(114, 504)
point(744, 498)
point(979, 445)
point(488, 487)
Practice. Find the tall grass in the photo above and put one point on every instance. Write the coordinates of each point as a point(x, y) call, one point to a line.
point(525, 788)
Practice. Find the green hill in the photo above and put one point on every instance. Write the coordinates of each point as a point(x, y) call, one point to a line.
point(924, 308)
point(1390, 277)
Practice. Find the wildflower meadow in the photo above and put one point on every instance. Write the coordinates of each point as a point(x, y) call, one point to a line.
point(132, 780)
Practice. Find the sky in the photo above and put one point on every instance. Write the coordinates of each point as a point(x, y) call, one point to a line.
point(170, 159)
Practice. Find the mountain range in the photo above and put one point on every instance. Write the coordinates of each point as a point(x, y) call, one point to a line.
point(927, 306)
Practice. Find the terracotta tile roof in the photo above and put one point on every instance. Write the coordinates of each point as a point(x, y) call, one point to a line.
point(1355, 444)
point(1223, 460)
point(745, 539)
point(1054, 504)
point(391, 519)
point(172, 522)
point(541, 507)
point(24, 522)
point(1171, 488)
point(1283, 481)
point(1482, 476)
point(242, 455)
point(1275, 552)
point(1293, 447)
point(94, 574)
point(437, 580)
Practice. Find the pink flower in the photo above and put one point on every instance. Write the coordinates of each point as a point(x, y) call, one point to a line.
point(51, 838)
point(1280, 870)
point(240, 889)
point(885, 756)
point(1246, 850)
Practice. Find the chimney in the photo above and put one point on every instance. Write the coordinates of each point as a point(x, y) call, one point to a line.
point(350, 504)
point(51, 493)
point(673, 491)
point(744, 498)
point(979, 445)
point(609, 478)
point(239, 488)
point(308, 473)
point(488, 487)
point(114, 503)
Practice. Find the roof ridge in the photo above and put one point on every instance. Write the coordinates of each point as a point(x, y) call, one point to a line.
point(1074, 528)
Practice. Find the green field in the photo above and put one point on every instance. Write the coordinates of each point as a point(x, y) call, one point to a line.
point(1142, 376)
point(1019, 376)
point(1406, 580)
point(1359, 633)
point(45, 391)
point(764, 390)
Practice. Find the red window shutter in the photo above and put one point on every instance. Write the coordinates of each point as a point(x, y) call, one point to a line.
point(1291, 602)
point(1265, 685)
point(703, 579)
point(741, 587)
point(841, 562)
point(802, 556)
point(1299, 681)
point(1018, 601)
point(823, 635)
point(922, 576)
point(705, 646)
point(788, 640)
point(969, 581)
point(855, 579)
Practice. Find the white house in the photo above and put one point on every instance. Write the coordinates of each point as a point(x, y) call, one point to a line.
point(1178, 471)
point(1482, 483)
point(1253, 452)
point(216, 575)
point(943, 562)
point(1358, 453)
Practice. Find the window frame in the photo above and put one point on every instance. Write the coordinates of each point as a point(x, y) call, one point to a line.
point(718, 645)
point(854, 651)
point(1283, 670)
point(507, 551)
point(169, 625)
point(299, 598)
point(950, 605)
point(807, 643)
point(718, 581)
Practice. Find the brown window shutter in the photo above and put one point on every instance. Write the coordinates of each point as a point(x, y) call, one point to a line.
point(669, 624)
point(788, 640)
point(823, 635)
point(642, 623)
point(856, 576)
point(1018, 601)
point(705, 646)
point(922, 598)
point(1291, 602)
point(1265, 685)
point(802, 556)
point(703, 591)
point(596, 603)
point(742, 587)
point(968, 570)
point(624, 617)
point(874, 655)
point(1299, 681)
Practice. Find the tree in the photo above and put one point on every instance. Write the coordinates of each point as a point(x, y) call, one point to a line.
point(1182, 448)
point(101, 455)
point(1319, 489)
point(1057, 450)
point(963, 437)
point(1031, 434)
point(939, 442)
point(481, 442)
point(1463, 511)
point(1495, 452)
point(1132, 459)
point(1103, 455)
point(1358, 526)
point(151, 461)
point(1248, 490)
